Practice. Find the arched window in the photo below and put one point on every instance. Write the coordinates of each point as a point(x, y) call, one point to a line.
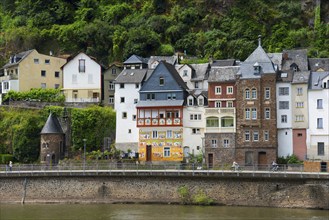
point(227, 122)
point(212, 122)
point(254, 93)
point(247, 94)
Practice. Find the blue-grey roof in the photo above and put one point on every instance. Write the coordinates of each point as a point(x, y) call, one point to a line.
point(301, 77)
point(131, 76)
point(134, 59)
point(223, 74)
point(169, 59)
point(276, 58)
point(317, 80)
point(228, 62)
point(52, 126)
point(160, 103)
point(17, 58)
point(200, 72)
point(298, 57)
point(316, 64)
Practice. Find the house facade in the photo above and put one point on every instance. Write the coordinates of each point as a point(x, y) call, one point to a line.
point(220, 127)
point(160, 115)
point(108, 87)
point(256, 133)
point(82, 79)
point(30, 69)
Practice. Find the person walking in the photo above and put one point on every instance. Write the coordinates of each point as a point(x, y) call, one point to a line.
point(10, 166)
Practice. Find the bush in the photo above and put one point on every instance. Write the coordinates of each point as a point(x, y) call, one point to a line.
point(290, 159)
point(202, 199)
point(5, 158)
point(184, 194)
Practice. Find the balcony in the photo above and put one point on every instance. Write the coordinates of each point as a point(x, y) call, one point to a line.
point(143, 122)
point(220, 130)
point(220, 112)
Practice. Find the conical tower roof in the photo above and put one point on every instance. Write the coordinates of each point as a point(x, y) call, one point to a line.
point(52, 126)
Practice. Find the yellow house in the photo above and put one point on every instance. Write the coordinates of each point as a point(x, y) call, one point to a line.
point(30, 69)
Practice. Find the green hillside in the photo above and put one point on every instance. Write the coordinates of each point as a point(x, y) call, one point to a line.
point(114, 29)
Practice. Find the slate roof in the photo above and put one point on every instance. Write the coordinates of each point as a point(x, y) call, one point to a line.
point(285, 76)
point(301, 77)
point(201, 71)
point(316, 80)
point(299, 57)
point(228, 62)
point(132, 76)
point(223, 74)
point(197, 92)
point(276, 58)
point(317, 63)
point(169, 59)
point(52, 126)
point(17, 58)
point(134, 59)
point(160, 103)
point(175, 74)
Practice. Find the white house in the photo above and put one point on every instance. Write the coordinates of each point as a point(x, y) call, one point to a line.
point(82, 79)
point(318, 131)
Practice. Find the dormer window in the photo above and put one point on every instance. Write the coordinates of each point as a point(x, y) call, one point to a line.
point(82, 66)
point(200, 101)
point(256, 68)
point(294, 67)
point(161, 81)
point(185, 73)
point(190, 101)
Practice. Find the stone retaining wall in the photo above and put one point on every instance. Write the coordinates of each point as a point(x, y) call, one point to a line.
point(270, 192)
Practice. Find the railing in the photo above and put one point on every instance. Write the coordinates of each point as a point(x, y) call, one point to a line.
point(159, 121)
point(152, 169)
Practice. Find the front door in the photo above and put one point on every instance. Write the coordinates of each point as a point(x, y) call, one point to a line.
point(148, 153)
point(262, 160)
point(210, 160)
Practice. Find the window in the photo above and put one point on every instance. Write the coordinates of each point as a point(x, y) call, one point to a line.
point(249, 158)
point(212, 122)
point(284, 105)
point(114, 71)
point(247, 135)
point(111, 99)
point(299, 118)
point(254, 113)
point(227, 122)
point(320, 148)
point(56, 86)
point(122, 99)
point(195, 130)
point(319, 123)
point(299, 91)
point(169, 134)
point(247, 94)
point(266, 136)
point(122, 85)
point(154, 134)
point(299, 104)
point(247, 113)
point(124, 115)
point(136, 85)
point(267, 93)
point(226, 142)
point(218, 104)
point(43, 73)
point(161, 81)
point(200, 101)
point(171, 96)
point(166, 152)
point(195, 117)
point(134, 117)
point(283, 118)
point(299, 135)
point(319, 104)
point(190, 101)
point(254, 94)
point(43, 85)
point(218, 90)
point(267, 113)
point(129, 131)
point(82, 66)
point(196, 85)
point(150, 96)
point(229, 104)
point(283, 90)
point(185, 73)
point(47, 61)
point(135, 101)
point(56, 74)
point(229, 90)
point(111, 85)
point(6, 85)
point(36, 61)
point(256, 136)
point(213, 143)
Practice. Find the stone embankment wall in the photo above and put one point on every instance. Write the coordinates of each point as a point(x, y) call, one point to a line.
point(270, 192)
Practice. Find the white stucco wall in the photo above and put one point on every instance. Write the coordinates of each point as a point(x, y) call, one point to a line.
point(285, 142)
point(280, 112)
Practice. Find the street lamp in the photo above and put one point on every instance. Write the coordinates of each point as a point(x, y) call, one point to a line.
point(84, 154)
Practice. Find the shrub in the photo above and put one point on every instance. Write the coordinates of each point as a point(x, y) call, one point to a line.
point(202, 199)
point(184, 194)
point(5, 158)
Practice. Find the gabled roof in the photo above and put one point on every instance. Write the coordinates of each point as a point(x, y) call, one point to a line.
point(175, 74)
point(298, 57)
point(134, 59)
point(276, 58)
point(197, 92)
point(132, 75)
point(17, 58)
point(316, 80)
point(52, 126)
point(223, 74)
point(169, 59)
point(316, 64)
point(201, 71)
point(257, 56)
point(301, 77)
point(68, 60)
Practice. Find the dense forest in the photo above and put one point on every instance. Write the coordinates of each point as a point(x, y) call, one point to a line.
point(112, 30)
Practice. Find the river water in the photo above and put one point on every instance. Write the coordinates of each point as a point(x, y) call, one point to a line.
point(152, 212)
